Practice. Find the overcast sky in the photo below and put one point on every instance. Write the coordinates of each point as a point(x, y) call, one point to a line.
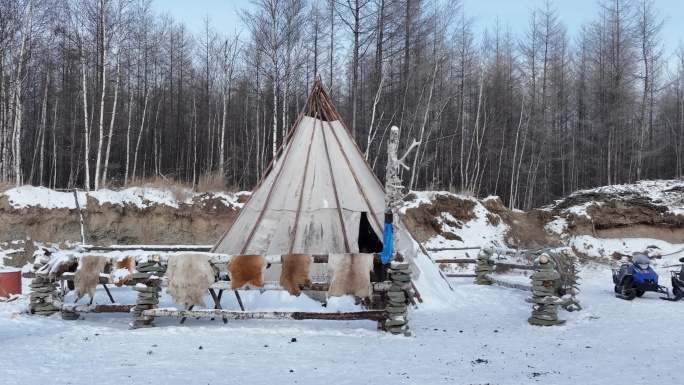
point(515, 13)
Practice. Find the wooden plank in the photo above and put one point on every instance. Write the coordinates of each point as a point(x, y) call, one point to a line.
point(104, 278)
point(511, 285)
point(163, 256)
point(513, 265)
point(97, 308)
point(453, 248)
point(159, 248)
point(375, 315)
point(224, 285)
point(456, 260)
point(272, 285)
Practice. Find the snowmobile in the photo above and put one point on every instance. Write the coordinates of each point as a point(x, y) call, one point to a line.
point(678, 282)
point(636, 277)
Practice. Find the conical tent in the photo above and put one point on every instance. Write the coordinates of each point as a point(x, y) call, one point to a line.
point(319, 196)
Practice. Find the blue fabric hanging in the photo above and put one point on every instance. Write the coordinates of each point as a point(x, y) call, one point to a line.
point(387, 244)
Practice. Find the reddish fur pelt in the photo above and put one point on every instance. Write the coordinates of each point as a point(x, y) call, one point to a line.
point(295, 272)
point(118, 278)
point(87, 277)
point(247, 270)
point(190, 276)
point(351, 274)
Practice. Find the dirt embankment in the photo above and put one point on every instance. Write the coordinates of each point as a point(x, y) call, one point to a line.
point(621, 216)
point(526, 229)
point(199, 223)
point(424, 222)
point(205, 220)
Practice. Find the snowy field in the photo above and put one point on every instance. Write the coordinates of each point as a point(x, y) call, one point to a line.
point(482, 338)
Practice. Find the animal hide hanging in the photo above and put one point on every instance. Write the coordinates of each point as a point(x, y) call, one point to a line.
point(190, 276)
point(295, 272)
point(351, 275)
point(87, 277)
point(122, 271)
point(246, 270)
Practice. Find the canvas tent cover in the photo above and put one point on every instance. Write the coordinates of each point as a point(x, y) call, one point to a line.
point(313, 198)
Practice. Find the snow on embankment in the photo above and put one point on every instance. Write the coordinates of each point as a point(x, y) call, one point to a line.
point(138, 215)
point(140, 197)
point(445, 220)
point(604, 223)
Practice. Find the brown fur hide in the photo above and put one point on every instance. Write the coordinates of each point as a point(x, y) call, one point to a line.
point(295, 272)
point(87, 277)
point(190, 276)
point(351, 274)
point(247, 270)
point(122, 271)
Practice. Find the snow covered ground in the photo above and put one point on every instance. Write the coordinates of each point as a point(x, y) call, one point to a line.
point(471, 335)
point(483, 337)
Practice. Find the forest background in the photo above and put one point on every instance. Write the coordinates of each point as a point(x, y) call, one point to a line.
point(104, 93)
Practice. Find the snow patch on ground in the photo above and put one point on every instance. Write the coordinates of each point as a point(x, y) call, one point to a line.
point(557, 226)
point(141, 197)
point(668, 193)
point(422, 197)
point(26, 196)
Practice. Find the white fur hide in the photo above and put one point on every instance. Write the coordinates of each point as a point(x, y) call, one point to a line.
point(351, 274)
point(190, 276)
point(87, 277)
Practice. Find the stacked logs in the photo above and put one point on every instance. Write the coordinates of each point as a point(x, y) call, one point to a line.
point(397, 315)
point(545, 308)
point(148, 293)
point(483, 268)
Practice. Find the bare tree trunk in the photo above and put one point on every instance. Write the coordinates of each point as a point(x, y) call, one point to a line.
point(140, 133)
point(53, 180)
point(128, 139)
point(111, 121)
point(373, 132)
point(41, 135)
point(86, 127)
point(516, 170)
point(17, 93)
point(103, 78)
point(422, 126)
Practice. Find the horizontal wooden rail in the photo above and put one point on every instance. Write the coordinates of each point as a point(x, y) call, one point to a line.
point(316, 286)
point(514, 265)
point(222, 285)
point(495, 263)
point(455, 260)
point(163, 256)
point(453, 248)
point(104, 278)
point(97, 308)
point(375, 315)
point(159, 248)
point(511, 285)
